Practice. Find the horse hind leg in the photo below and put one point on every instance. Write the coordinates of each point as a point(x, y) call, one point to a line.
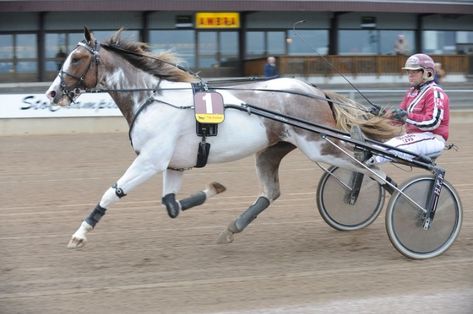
point(199, 198)
point(174, 207)
point(172, 180)
point(267, 166)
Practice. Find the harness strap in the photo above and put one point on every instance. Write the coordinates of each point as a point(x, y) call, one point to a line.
point(330, 104)
point(148, 102)
point(204, 147)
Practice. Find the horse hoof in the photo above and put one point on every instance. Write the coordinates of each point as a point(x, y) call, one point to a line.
point(214, 188)
point(225, 237)
point(76, 243)
point(219, 188)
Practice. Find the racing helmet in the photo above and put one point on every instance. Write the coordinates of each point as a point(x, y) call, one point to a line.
point(423, 62)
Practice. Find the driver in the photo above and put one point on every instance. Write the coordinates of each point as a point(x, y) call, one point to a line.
point(424, 111)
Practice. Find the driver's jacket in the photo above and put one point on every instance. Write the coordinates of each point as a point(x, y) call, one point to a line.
point(427, 110)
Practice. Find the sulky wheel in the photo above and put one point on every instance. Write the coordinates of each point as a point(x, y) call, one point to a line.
point(335, 207)
point(404, 220)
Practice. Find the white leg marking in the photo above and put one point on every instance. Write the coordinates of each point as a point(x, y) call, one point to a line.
point(79, 238)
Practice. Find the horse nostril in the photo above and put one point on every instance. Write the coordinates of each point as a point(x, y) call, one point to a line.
point(52, 94)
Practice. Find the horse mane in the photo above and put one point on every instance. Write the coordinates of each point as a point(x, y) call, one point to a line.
point(348, 113)
point(162, 65)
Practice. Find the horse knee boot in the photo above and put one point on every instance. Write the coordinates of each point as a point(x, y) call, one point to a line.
point(171, 205)
point(250, 214)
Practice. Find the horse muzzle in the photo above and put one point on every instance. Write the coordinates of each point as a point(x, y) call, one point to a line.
point(58, 98)
point(61, 97)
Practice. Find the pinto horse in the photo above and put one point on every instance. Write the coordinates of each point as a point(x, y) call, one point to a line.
point(156, 97)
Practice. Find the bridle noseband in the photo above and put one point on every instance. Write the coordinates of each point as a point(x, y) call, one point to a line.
point(73, 91)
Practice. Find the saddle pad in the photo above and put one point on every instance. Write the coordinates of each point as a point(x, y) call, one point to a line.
point(209, 107)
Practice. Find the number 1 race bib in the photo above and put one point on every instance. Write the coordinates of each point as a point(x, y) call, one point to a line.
point(209, 107)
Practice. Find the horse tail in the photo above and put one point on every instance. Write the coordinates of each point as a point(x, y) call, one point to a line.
point(348, 112)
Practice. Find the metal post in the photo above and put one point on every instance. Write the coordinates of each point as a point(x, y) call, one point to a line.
point(41, 47)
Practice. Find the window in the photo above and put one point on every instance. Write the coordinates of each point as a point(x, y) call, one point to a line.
point(217, 49)
point(53, 44)
point(371, 42)
point(18, 53)
point(276, 43)
point(388, 39)
point(308, 42)
point(6, 53)
point(208, 50)
point(465, 42)
point(357, 42)
point(440, 42)
point(229, 48)
point(255, 44)
point(181, 42)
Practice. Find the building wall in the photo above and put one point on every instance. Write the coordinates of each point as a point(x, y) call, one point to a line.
point(219, 52)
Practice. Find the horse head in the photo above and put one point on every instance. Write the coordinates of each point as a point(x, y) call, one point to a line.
point(79, 72)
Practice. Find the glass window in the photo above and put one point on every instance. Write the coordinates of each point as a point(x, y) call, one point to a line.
point(228, 47)
point(6, 46)
point(51, 66)
point(259, 44)
point(26, 46)
point(465, 42)
point(181, 42)
point(53, 43)
point(72, 40)
point(439, 42)
point(255, 46)
point(58, 46)
point(276, 43)
point(208, 51)
point(26, 67)
point(306, 41)
point(388, 40)
point(358, 42)
point(18, 52)
point(6, 67)
point(464, 37)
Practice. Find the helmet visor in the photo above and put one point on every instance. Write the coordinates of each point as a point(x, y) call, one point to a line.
point(412, 67)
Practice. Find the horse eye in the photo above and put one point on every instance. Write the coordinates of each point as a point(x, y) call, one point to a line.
point(75, 60)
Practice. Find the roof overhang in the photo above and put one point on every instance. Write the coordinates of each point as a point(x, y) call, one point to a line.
point(399, 6)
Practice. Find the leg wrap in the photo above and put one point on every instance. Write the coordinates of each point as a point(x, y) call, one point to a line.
point(95, 215)
point(193, 200)
point(171, 205)
point(250, 214)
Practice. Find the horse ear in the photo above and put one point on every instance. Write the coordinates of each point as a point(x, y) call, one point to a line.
point(88, 35)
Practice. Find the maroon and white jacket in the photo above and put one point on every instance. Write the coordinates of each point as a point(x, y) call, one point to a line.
point(427, 110)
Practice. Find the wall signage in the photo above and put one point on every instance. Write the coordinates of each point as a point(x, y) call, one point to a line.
point(217, 20)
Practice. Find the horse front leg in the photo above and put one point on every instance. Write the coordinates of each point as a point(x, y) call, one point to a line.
point(172, 181)
point(140, 170)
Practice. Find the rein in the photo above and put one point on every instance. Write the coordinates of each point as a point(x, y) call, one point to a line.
point(71, 92)
point(115, 48)
point(376, 109)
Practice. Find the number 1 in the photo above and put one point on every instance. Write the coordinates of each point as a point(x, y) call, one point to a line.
point(208, 102)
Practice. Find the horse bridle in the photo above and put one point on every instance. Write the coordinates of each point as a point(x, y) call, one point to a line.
point(75, 90)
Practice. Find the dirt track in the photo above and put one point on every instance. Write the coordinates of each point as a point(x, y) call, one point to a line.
point(140, 261)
